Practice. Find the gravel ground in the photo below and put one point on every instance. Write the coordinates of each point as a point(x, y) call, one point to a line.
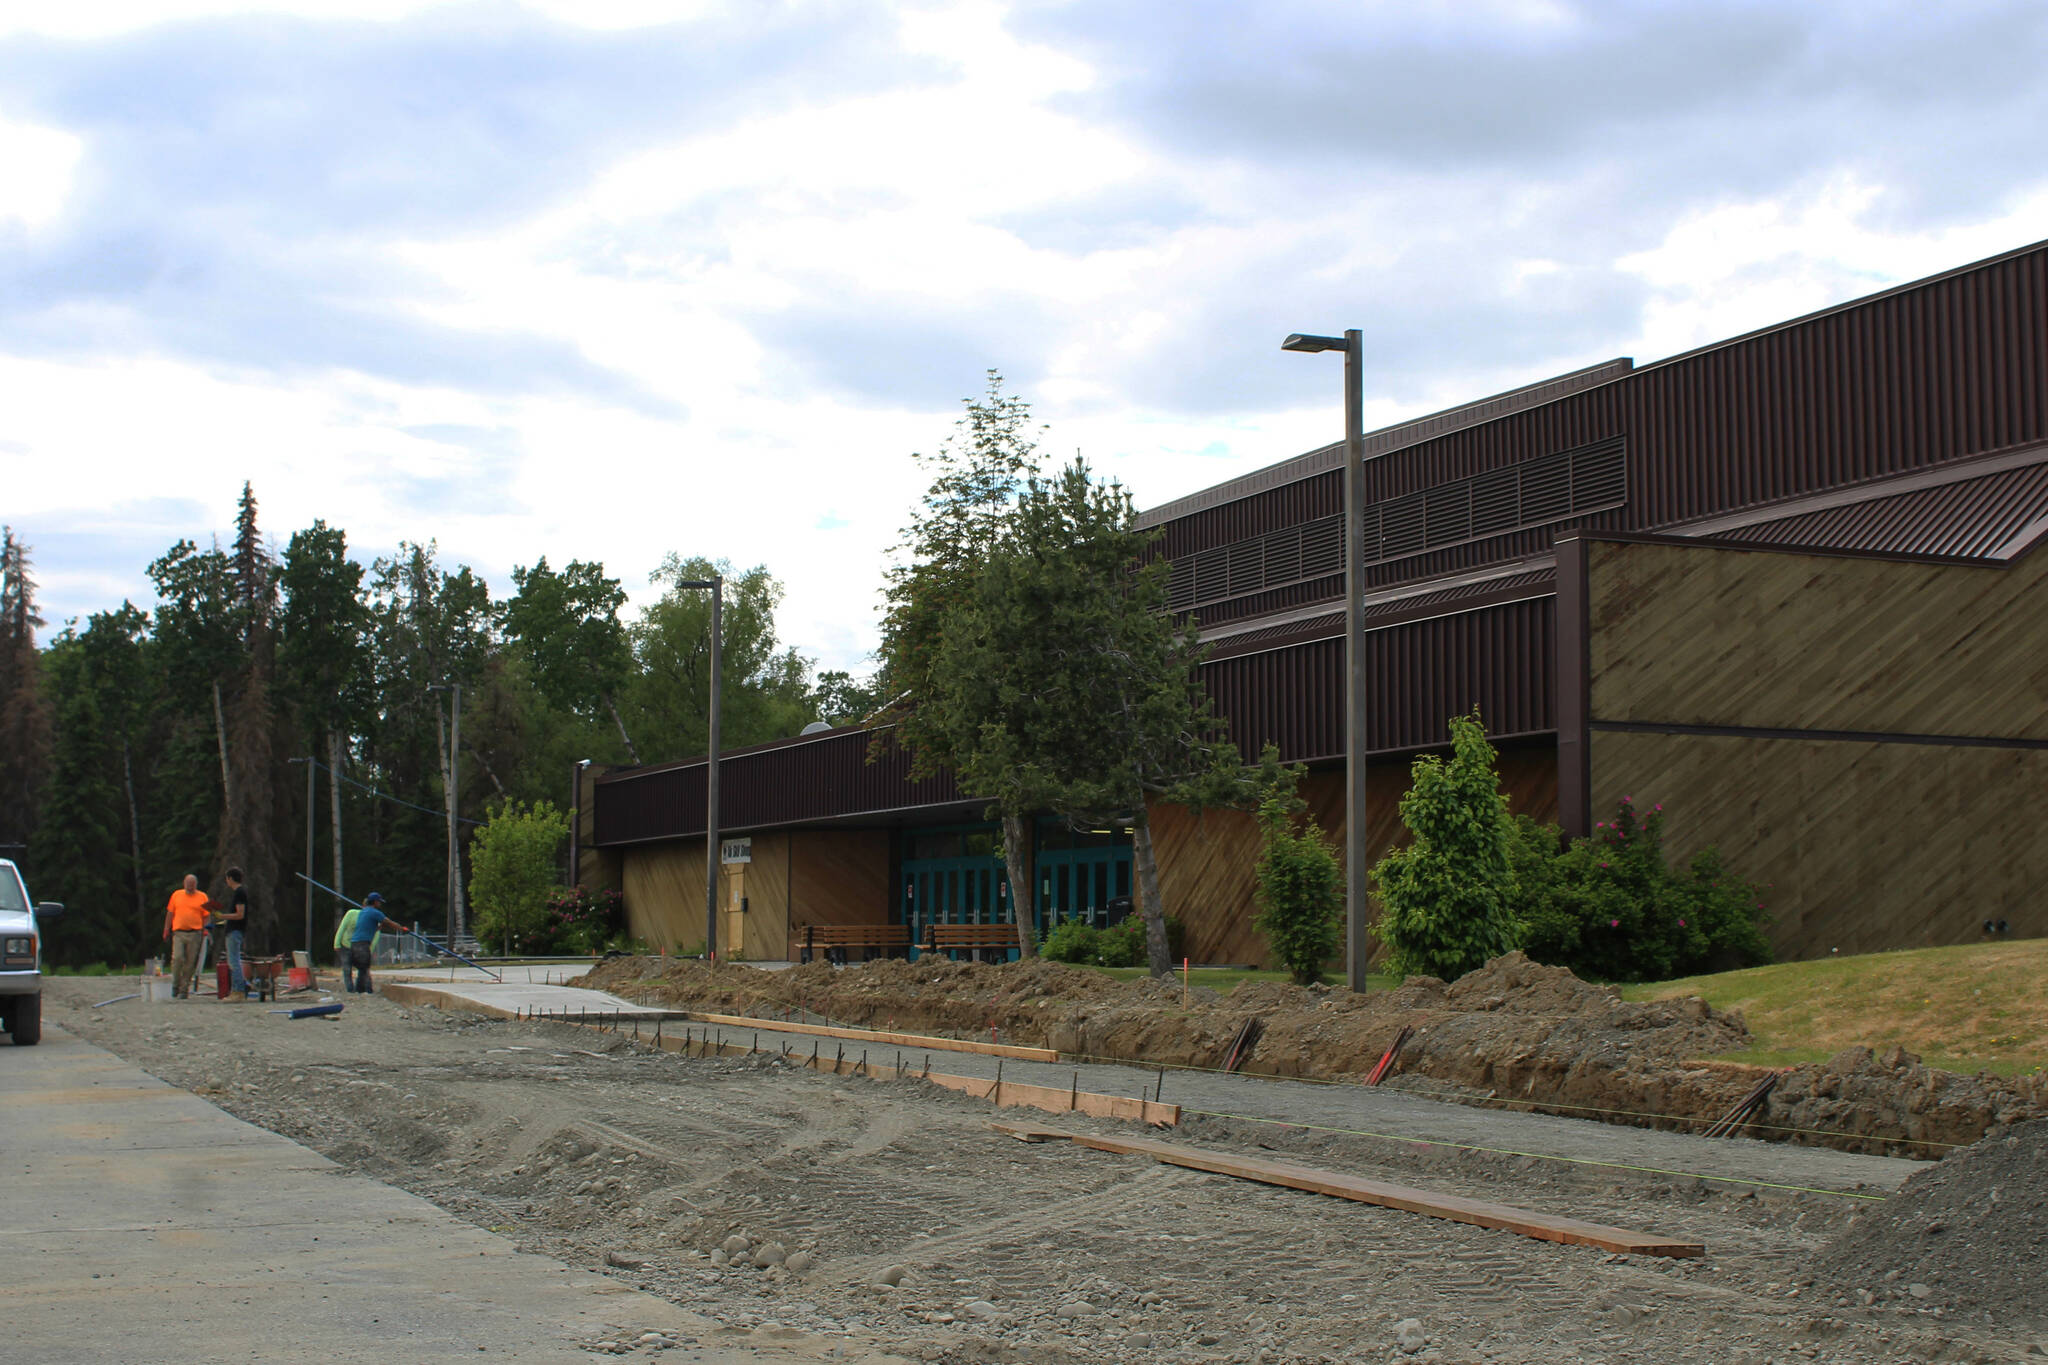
point(1972, 1229)
point(890, 1213)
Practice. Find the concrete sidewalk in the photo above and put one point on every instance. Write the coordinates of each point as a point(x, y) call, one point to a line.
point(141, 1224)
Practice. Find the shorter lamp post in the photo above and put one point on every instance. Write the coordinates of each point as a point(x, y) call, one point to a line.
point(717, 587)
point(575, 882)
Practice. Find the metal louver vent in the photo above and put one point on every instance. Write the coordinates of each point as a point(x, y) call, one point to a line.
point(1447, 514)
point(1322, 547)
point(1551, 488)
point(1546, 489)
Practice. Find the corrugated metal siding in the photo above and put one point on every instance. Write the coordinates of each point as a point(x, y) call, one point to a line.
point(1904, 381)
point(1977, 517)
point(1496, 658)
point(768, 785)
point(1331, 457)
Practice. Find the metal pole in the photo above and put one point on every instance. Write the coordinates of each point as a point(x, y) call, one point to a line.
point(456, 920)
point(311, 771)
point(1357, 704)
point(711, 781)
point(575, 822)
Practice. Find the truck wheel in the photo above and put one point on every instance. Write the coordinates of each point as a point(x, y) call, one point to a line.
point(25, 1021)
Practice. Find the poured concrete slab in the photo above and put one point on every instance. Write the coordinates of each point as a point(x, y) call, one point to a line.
point(143, 1224)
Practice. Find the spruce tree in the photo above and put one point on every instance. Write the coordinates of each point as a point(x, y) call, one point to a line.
point(254, 809)
point(24, 715)
point(78, 855)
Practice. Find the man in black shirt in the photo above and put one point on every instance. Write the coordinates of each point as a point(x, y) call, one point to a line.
point(236, 922)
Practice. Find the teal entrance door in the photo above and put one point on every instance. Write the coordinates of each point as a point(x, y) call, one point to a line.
point(951, 876)
point(1082, 874)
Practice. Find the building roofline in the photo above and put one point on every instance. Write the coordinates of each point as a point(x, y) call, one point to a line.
point(1388, 439)
point(1331, 456)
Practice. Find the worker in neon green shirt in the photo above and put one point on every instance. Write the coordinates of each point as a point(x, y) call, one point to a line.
point(342, 933)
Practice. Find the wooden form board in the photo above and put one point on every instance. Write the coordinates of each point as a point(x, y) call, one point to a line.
point(878, 1037)
point(1479, 1213)
point(1002, 1093)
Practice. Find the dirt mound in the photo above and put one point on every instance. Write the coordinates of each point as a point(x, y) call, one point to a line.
point(1969, 1232)
point(1514, 1031)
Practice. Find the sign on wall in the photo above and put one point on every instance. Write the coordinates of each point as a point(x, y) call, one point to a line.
point(736, 851)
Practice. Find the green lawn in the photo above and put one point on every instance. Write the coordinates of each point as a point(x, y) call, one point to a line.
point(1980, 1007)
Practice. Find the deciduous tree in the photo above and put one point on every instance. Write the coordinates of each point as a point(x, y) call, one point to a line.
point(567, 626)
point(1062, 684)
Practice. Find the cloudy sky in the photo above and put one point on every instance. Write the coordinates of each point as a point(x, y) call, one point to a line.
point(602, 279)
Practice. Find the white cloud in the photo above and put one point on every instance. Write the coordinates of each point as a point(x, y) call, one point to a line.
point(755, 311)
point(39, 164)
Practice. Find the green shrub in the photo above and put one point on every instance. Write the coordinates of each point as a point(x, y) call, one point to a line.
point(511, 869)
point(1120, 945)
point(1612, 908)
point(1071, 941)
point(1447, 901)
point(1300, 890)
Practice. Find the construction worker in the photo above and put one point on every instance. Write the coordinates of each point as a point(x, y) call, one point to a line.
point(362, 939)
point(184, 925)
point(343, 932)
point(236, 922)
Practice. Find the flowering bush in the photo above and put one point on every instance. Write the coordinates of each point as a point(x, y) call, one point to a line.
point(579, 922)
point(1612, 907)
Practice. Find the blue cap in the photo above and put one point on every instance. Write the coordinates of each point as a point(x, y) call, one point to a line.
point(373, 899)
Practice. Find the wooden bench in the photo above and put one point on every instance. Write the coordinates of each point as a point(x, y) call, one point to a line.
point(973, 939)
point(836, 939)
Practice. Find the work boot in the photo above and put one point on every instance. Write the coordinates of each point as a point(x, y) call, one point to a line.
point(236, 997)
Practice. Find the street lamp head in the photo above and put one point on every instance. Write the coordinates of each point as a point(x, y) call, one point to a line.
point(1302, 342)
point(697, 582)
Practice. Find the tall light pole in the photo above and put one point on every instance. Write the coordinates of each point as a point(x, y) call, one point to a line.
point(1356, 705)
point(717, 586)
point(455, 915)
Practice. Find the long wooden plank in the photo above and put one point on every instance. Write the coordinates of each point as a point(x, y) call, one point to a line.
point(1477, 1212)
point(861, 1035)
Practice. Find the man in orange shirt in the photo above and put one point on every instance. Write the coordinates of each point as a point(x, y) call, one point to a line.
point(184, 924)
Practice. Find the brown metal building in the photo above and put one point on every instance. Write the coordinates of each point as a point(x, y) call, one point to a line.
point(1780, 584)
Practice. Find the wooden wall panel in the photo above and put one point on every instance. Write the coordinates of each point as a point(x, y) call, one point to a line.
point(1207, 861)
point(765, 926)
point(1865, 847)
point(1866, 844)
point(1699, 635)
point(837, 876)
point(664, 889)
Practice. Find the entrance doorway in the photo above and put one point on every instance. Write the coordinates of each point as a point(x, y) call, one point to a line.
point(951, 875)
point(1083, 874)
point(955, 874)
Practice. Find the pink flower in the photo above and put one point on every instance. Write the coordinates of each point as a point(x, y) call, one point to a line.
point(1614, 924)
point(1603, 864)
point(1681, 924)
point(1660, 807)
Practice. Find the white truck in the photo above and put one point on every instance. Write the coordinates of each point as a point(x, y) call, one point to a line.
point(21, 958)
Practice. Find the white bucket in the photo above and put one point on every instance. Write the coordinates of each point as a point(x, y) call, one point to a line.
point(155, 988)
